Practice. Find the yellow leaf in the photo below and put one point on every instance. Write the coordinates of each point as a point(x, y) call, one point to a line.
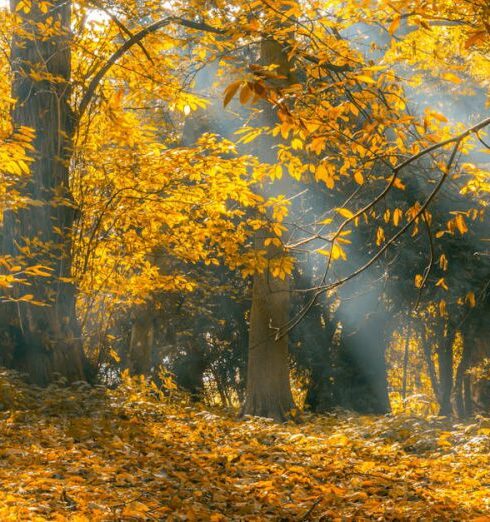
point(364, 78)
point(394, 24)
point(418, 281)
point(397, 214)
point(344, 212)
point(460, 224)
point(442, 283)
point(450, 77)
point(471, 299)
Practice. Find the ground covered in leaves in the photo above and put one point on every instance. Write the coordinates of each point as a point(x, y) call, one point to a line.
point(135, 454)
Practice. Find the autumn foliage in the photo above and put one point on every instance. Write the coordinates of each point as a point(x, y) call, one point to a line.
point(244, 265)
point(140, 453)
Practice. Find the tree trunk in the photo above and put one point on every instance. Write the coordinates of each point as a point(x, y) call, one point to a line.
point(478, 386)
point(268, 392)
point(460, 404)
point(445, 358)
point(427, 349)
point(318, 339)
point(406, 357)
point(45, 340)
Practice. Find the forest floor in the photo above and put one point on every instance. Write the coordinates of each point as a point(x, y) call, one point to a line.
point(91, 454)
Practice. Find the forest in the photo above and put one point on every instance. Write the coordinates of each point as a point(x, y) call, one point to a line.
point(244, 260)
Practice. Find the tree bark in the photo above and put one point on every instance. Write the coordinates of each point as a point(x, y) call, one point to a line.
point(44, 340)
point(406, 357)
point(318, 339)
point(460, 404)
point(268, 391)
point(445, 357)
point(427, 349)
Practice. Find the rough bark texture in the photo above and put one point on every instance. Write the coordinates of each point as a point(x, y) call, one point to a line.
point(445, 358)
point(268, 392)
point(43, 341)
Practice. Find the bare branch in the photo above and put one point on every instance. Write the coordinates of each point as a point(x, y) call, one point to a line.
point(317, 291)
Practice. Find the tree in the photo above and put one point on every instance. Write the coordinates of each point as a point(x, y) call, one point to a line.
point(268, 392)
point(340, 126)
point(44, 340)
point(58, 246)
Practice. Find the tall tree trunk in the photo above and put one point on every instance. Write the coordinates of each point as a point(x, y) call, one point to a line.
point(478, 384)
point(406, 357)
point(427, 349)
point(459, 382)
point(268, 392)
point(445, 357)
point(47, 338)
point(317, 335)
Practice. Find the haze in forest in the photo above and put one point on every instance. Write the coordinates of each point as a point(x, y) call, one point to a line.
point(244, 260)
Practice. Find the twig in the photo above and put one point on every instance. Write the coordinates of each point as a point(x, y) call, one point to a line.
point(312, 507)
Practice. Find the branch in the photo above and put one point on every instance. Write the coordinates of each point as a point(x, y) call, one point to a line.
point(284, 329)
point(121, 26)
point(428, 268)
point(135, 40)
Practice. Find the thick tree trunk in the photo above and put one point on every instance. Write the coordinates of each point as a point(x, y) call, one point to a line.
point(268, 392)
point(478, 384)
point(44, 340)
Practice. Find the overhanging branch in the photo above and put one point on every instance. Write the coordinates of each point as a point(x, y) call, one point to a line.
point(136, 39)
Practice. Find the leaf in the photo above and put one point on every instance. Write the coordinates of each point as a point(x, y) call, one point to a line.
point(345, 212)
point(471, 299)
point(397, 215)
point(451, 78)
point(364, 78)
point(479, 36)
point(418, 281)
point(245, 94)
point(460, 224)
point(438, 116)
point(230, 91)
point(394, 24)
point(397, 183)
point(442, 283)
